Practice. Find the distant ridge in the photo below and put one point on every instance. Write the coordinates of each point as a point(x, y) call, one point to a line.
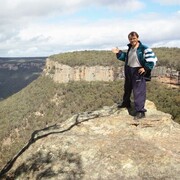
point(16, 73)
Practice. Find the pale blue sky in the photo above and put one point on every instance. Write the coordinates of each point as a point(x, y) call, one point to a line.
point(94, 12)
point(46, 27)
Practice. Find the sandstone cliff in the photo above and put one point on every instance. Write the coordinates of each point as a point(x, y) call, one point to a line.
point(62, 73)
point(104, 144)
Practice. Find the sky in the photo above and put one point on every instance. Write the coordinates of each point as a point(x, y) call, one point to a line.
point(31, 28)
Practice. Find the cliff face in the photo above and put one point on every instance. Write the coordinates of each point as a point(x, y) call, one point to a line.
point(63, 73)
point(104, 144)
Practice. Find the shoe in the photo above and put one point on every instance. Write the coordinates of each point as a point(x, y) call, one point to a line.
point(124, 105)
point(139, 115)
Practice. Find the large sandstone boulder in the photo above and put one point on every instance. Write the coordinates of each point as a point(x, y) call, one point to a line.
point(106, 144)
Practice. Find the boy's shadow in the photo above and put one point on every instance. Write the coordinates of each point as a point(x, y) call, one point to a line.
point(131, 109)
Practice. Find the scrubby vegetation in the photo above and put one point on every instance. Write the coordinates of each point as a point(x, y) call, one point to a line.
point(169, 57)
point(88, 58)
point(165, 98)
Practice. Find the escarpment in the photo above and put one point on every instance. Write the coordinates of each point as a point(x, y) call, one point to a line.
point(63, 73)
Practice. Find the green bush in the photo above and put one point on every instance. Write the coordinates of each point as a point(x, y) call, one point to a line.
point(88, 58)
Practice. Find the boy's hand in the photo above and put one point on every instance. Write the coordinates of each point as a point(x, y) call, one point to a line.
point(141, 70)
point(115, 50)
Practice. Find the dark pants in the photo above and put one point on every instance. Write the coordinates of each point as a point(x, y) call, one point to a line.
point(136, 83)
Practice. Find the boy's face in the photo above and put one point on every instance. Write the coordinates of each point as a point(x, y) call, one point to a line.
point(133, 40)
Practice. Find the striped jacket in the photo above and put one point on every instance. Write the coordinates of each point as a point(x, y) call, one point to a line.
point(145, 55)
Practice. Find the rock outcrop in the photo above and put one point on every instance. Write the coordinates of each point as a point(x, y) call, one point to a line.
point(62, 73)
point(104, 144)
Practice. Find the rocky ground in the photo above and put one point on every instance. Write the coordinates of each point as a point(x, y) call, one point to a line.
point(104, 144)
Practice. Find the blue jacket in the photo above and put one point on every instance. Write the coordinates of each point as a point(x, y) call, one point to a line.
point(145, 56)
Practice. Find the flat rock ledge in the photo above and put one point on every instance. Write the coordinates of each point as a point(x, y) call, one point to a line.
point(106, 144)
